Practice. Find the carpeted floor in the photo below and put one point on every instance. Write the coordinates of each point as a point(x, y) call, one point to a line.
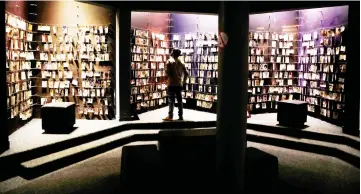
point(300, 172)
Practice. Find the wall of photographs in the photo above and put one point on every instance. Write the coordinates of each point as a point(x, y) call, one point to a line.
point(150, 52)
point(75, 63)
point(200, 56)
point(51, 63)
point(322, 72)
point(273, 72)
point(196, 36)
point(19, 69)
point(76, 66)
point(308, 66)
point(287, 60)
point(316, 74)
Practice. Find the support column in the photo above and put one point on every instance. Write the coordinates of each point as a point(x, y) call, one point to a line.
point(232, 96)
point(4, 131)
point(123, 27)
point(351, 119)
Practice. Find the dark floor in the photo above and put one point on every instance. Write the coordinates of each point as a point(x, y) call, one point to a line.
point(300, 172)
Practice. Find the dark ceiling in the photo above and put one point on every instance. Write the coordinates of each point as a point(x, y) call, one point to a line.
point(213, 6)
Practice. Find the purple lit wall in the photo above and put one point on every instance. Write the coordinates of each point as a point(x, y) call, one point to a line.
point(188, 23)
point(192, 23)
point(150, 20)
point(181, 23)
point(309, 19)
point(275, 21)
point(312, 19)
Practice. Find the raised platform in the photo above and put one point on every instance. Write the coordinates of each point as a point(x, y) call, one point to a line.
point(32, 136)
point(312, 124)
point(34, 153)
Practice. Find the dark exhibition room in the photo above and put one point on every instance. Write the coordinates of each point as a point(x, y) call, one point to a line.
point(180, 97)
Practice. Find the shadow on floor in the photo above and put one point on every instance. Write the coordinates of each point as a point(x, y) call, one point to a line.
point(62, 131)
point(293, 128)
point(284, 187)
point(143, 170)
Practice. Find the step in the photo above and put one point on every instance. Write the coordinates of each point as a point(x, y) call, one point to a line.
point(16, 182)
point(340, 151)
point(36, 152)
point(342, 147)
point(308, 133)
point(126, 134)
point(54, 161)
point(66, 157)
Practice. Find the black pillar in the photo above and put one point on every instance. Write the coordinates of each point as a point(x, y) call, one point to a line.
point(4, 131)
point(232, 96)
point(123, 68)
point(352, 82)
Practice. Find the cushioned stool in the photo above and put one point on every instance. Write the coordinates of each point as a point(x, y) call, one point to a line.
point(58, 116)
point(292, 113)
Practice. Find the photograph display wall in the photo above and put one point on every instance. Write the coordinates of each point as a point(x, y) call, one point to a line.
point(150, 52)
point(19, 69)
point(309, 46)
point(298, 55)
point(75, 65)
point(198, 44)
point(272, 69)
point(322, 72)
point(197, 37)
point(54, 61)
point(293, 55)
point(323, 61)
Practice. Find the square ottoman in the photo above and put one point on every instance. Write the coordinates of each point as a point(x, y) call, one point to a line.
point(292, 113)
point(58, 116)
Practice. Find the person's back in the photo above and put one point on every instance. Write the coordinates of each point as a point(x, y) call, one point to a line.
point(176, 73)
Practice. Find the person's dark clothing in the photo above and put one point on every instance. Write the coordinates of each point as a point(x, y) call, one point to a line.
point(176, 72)
point(175, 92)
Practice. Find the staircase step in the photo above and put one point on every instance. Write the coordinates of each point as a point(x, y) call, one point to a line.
point(341, 147)
point(65, 157)
point(307, 133)
point(53, 161)
point(339, 151)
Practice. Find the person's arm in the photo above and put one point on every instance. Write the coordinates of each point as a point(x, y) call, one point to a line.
point(186, 74)
point(167, 68)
